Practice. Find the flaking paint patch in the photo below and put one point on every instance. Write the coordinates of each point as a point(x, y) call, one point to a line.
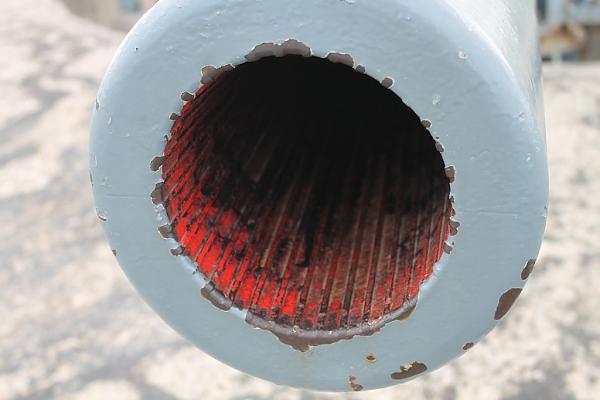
point(156, 163)
point(355, 386)
point(454, 225)
point(448, 248)
point(178, 251)
point(268, 49)
point(166, 231)
point(210, 73)
point(215, 297)
point(302, 340)
point(158, 193)
point(341, 58)
point(507, 300)
point(387, 82)
point(528, 269)
point(187, 96)
point(451, 173)
point(409, 371)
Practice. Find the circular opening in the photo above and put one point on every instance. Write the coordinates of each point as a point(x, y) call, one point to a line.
point(306, 192)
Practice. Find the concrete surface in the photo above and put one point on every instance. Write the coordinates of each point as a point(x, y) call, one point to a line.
point(71, 326)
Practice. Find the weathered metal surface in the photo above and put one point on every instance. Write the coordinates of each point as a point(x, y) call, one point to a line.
point(468, 70)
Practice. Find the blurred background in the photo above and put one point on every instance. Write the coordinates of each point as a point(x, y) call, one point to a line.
point(72, 327)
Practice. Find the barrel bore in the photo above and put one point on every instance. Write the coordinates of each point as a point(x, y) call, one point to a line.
point(307, 193)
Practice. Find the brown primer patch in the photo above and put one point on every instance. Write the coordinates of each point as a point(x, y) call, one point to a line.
point(451, 173)
point(295, 47)
point(387, 82)
point(302, 340)
point(261, 51)
point(355, 386)
point(156, 163)
point(177, 251)
point(507, 300)
point(215, 297)
point(341, 58)
point(448, 248)
point(166, 231)
point(187, 96)
point(409, 371)
point(157, 194)
point(528, 269)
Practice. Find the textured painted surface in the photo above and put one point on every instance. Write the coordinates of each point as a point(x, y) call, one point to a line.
point(74, 328)
point(493, 150)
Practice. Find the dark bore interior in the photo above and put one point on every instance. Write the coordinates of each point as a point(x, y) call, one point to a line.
point(307, 193)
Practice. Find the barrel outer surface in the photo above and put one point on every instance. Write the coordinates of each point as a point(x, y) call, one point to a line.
point(470, 67)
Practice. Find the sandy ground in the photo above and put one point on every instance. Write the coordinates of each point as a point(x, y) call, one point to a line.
point(72, 327)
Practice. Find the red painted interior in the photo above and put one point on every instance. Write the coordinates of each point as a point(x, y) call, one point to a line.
point(306, 192)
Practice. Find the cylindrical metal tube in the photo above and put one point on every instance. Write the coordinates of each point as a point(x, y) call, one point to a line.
point(338, 195)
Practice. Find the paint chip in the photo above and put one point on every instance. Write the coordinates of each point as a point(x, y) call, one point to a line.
point(387, 82)
point(187, 96)
point(156, 163)
point(451, 173)
point(341, 58)
point(409, 371)
point(355, 386)
point(361, 69)
point(468, 346)
point(177, 251)
point(166, 231)
point(528, 269)
point(507, 300)
point(157, 194)
point(174, 116)
point(371, 358)
point(426, 123)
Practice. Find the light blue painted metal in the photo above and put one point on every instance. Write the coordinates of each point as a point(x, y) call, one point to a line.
point(468, 66)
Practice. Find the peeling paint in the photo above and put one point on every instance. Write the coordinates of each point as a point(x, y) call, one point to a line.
point(156, 163)
point(507, 300)
point(409, 371)
point(451, 173)
point(387, 82)
point(355, 386)
point(341, 58)
point(157, 194)
point(187, 96)
point(528, 269)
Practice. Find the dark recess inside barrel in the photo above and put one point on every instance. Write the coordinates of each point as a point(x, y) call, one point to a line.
point(306, 192)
